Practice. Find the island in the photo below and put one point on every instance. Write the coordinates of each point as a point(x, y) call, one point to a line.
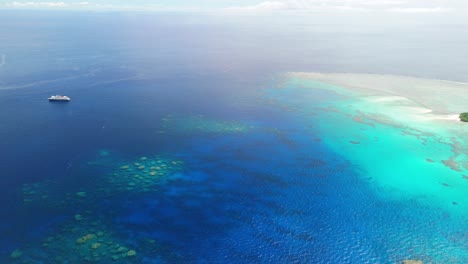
point(464, 117)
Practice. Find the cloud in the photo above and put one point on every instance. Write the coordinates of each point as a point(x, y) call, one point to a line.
point(420, 10)
point(301, 5)
point(263, 6)
point(85, 5)
point(48, 4)
point(403, 6)
point(246, 6)
point(38, 4)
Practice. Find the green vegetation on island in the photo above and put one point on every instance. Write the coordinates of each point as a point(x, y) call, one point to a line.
point(464, 117)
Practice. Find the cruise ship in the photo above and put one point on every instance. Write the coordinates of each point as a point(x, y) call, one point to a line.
point(61, 98)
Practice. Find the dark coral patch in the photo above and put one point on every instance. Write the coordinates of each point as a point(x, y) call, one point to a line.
point(452, 164)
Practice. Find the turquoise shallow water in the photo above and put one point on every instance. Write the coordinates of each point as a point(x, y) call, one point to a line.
point(401, 160)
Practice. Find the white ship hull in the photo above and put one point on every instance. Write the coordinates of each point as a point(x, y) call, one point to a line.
point(59, 98)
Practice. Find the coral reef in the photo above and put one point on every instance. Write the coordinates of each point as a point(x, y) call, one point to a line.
point(141, 176)
point(81, 194)
point(201, 123)
point(409, 261)
point(85, 237)
point(50, 194)
point(86, 241)
point(16, 254)
point(78, 217)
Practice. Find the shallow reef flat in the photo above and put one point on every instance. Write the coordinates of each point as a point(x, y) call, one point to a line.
point(440, 96)
point(401, 133)
point(398, 129)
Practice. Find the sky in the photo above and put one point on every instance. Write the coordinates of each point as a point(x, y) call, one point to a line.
point(252, 6)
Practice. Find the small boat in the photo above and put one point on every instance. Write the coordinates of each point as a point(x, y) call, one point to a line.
point(59, 98)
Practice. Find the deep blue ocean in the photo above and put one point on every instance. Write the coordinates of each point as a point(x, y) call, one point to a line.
point(171, 151)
